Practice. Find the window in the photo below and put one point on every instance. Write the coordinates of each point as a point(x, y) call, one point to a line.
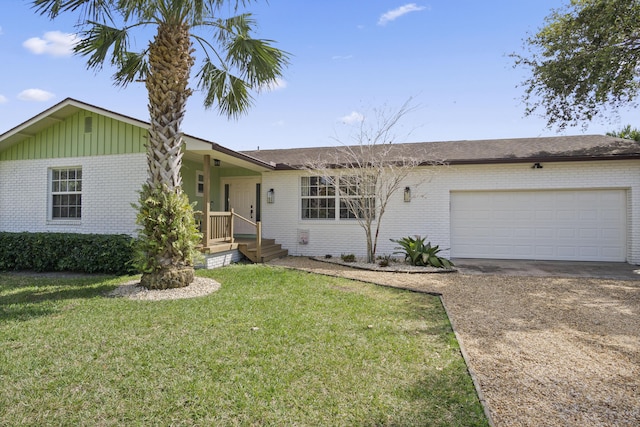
point(66, 193)
point(357, 196)
point(199, 183)
point(320, 198)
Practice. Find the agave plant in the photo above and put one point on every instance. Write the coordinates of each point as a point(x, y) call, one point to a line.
point(416, 252)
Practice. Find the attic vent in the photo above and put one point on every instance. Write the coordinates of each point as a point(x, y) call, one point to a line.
point(88, 124)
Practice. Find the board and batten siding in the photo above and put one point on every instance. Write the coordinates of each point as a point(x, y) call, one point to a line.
point(112, 156)
point(69, 139)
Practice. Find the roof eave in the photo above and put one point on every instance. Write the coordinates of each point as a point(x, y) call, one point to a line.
point(541, 159)
point(494, 161)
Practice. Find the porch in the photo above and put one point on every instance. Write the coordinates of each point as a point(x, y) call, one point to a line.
point(218, 237)
point(232, 182)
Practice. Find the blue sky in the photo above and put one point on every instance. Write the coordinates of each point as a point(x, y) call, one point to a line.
point(347, 58)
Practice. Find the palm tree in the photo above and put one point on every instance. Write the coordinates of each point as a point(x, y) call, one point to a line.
point(233, 65)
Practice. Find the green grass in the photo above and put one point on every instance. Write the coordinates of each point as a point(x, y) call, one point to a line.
point(271, 347)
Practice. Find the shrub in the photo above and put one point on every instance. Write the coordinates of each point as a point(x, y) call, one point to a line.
point(83, 253)
point(384, 260)
point(416, 252)
point(348, 257)
point(168, 234)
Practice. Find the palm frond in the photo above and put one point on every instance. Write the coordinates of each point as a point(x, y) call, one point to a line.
point(228, 92)
point(260, 62)
point(99, 40)
point(133, 67)
point(90, 9)
point(226, 28)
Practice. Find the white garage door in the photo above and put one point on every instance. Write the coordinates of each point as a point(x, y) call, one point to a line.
point(580, 225)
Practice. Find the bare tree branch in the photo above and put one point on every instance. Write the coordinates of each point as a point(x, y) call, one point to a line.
point(367, 174)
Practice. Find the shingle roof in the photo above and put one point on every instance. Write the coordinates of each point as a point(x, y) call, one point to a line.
point(560, 148)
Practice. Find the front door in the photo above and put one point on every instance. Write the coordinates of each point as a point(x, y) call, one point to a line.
point(243, 199)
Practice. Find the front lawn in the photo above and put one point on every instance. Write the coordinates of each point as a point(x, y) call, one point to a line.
point(271, 347)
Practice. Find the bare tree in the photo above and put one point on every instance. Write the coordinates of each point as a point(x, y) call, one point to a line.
point(368, 172)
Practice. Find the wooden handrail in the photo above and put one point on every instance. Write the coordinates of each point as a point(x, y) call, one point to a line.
point(243, 218)
point(220, 228)
point(258, 226)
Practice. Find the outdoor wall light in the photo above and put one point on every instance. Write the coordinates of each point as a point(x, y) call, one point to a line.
point(216, 162)
point(536, 166)
point(407, 194)
point(271, 196)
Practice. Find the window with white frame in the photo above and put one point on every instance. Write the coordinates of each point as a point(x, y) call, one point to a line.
point(320, 199)
point(357, 196)
point(66, 193)
point(199, 183)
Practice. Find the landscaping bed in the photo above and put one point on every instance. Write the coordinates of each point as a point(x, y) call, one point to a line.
point(394, 266)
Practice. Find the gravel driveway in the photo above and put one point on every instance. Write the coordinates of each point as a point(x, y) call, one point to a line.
point(544, 351)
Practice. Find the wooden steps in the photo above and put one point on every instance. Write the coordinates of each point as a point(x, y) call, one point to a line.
point(270, 250)
point(219, 247)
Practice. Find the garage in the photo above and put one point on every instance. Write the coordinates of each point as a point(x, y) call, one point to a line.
point(571, 225)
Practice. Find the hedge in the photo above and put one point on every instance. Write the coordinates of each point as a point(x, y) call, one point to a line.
point(83, 253)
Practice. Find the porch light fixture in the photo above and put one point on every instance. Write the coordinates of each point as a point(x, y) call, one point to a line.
point(271, 196)
point(216, 162)
point(536, 166)
point(407, 194)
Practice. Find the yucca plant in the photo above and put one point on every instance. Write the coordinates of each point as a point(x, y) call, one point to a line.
point(417, 253)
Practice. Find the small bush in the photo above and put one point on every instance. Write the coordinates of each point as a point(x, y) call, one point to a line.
point(83, 253)
point(348, 257)
point(168, 232)
point(384, 260)
point(416, 252)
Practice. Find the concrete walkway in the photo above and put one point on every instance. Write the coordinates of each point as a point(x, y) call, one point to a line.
point(510, 267)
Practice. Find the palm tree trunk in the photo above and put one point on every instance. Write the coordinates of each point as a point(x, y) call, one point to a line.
point(170, 63)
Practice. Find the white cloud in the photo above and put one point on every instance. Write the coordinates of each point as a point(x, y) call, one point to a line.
point(278, 84)
point(3, 99)
point(394, 14)
point(353, 117)
point(54, 43)
point(38, 95)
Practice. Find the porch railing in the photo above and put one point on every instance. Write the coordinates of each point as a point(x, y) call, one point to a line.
point(219, 229)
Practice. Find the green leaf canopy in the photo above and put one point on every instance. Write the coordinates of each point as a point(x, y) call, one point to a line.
point(585, 60)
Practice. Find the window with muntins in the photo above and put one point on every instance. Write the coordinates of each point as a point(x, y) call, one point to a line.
point(356, 197)
point(318, 198)
point(321, 200)
point(66, 193)
point(199, 183)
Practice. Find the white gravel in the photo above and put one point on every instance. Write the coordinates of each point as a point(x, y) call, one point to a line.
point(199, 287)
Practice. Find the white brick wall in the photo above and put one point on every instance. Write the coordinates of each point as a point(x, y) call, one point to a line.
point(109, 185)
point(428, 212)
point(220, 259)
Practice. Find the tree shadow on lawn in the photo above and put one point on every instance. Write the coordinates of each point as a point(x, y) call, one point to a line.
point(25, 295)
